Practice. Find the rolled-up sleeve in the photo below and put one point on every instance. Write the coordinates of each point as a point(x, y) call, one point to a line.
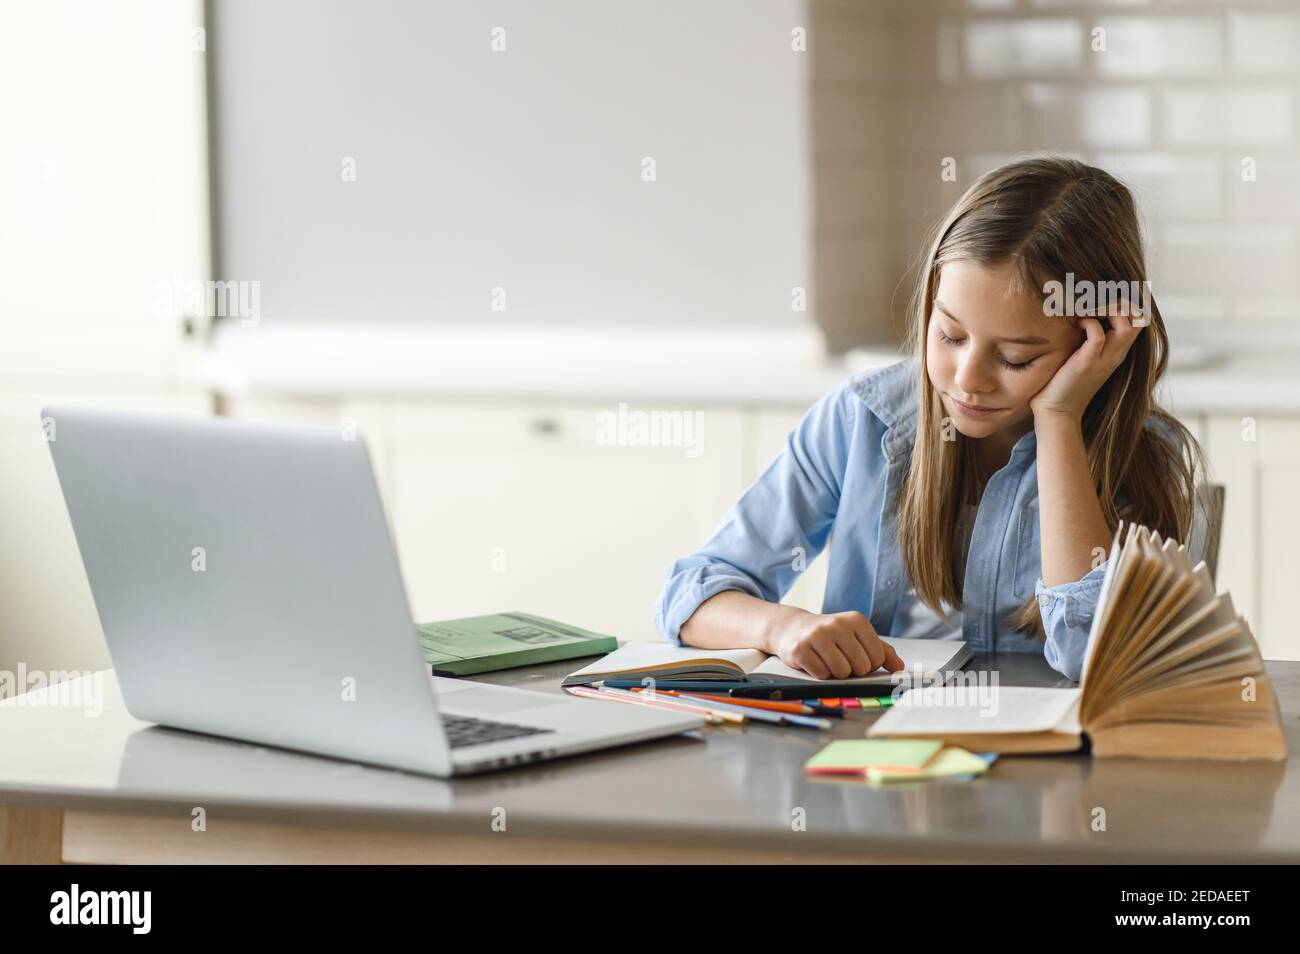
point(779, 524)
point(1067, 610)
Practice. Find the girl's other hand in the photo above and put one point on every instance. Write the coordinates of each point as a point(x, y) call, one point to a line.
point(832, 646)
point(1087, 369)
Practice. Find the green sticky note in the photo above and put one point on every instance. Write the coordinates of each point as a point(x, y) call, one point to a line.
point(951, 761)
point(856, 756)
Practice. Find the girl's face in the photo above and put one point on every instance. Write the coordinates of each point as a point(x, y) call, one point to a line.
point(987, 353)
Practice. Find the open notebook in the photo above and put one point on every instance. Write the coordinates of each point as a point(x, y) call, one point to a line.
point(756, 673)
point(1170, 671)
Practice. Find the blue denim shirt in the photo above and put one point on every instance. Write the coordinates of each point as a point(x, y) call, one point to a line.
point(841, 470)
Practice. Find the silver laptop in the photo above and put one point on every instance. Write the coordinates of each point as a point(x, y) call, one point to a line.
point(248, 587)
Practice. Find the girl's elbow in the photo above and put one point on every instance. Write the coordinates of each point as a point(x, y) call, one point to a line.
point(1069, 668)
point(1067, 659)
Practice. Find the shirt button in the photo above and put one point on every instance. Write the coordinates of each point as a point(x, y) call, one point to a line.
point(889, 582)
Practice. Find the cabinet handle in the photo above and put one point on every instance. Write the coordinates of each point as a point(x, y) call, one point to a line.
point(546, 426)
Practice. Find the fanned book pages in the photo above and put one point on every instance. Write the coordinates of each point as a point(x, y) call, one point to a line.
point(1170, 671)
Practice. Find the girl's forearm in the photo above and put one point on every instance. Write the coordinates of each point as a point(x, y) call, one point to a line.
point(1071, 524)
point(734, 620)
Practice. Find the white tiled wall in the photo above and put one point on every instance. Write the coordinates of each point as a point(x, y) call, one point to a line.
point(1185, 95)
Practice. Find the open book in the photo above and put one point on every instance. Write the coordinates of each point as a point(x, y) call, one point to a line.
point(754, 673)
point(1170, 671)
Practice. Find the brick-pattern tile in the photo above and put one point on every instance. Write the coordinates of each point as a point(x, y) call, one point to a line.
point(1194, 103)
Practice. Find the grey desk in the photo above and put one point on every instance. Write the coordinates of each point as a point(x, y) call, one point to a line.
point(112, 789)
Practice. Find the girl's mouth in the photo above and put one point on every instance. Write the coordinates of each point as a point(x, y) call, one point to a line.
point(973, 410)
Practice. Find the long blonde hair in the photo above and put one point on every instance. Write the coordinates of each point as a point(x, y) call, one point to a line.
point(1048, 216)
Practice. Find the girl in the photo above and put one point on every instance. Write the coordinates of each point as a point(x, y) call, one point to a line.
point(974, 489)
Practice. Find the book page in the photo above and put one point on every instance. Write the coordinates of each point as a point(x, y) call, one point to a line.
point(1103, 605)
point(642, 655)
point(1008, 709)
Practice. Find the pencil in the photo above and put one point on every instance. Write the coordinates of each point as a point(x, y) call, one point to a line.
point(792, 713)
point(622, 695)
point(793, 707)
point(709, 715)
point(775, 718)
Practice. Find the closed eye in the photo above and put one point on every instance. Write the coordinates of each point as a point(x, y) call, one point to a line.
point(1012, 365)
point(1015, 365)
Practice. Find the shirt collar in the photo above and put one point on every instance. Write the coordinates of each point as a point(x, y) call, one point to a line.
point(891, 394)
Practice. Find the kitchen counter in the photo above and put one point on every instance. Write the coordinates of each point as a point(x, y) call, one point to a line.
point(778, 367)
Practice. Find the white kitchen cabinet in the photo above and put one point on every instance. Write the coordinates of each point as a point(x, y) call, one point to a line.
point(1258, 461)
point(518, 507)
point(367, 418)
point(507, 505)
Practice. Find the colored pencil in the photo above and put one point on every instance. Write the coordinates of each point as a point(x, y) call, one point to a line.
point(617, 695)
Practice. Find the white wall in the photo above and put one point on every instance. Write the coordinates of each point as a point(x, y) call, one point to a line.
point(518, 169)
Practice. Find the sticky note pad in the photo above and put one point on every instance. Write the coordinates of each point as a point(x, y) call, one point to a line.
point(951, 761)
point(856, 756)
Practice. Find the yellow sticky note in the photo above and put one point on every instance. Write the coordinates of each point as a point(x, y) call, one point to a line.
point(951, 761)
point(856, 756)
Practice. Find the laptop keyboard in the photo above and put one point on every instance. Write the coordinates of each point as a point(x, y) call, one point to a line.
point(463, 731)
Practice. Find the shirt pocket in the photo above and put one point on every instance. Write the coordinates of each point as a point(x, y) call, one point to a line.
point(1028, 555)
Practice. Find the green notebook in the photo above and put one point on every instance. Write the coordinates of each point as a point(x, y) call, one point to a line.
point(462, 647)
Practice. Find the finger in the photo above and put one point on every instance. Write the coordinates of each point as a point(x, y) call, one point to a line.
point(893, 662)
point(855, 651)
point(1121, 338)
point(806, 658)
point(1095, 334)
point(833, 658)
point(1127, 319)
point(861, 635)
point(869, 643)
point(1127, 309)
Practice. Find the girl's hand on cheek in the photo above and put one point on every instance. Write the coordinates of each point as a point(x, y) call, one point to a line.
point(833, 645)
point(1088, 368)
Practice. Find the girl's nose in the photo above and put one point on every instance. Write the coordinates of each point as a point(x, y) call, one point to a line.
point(973, 375)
